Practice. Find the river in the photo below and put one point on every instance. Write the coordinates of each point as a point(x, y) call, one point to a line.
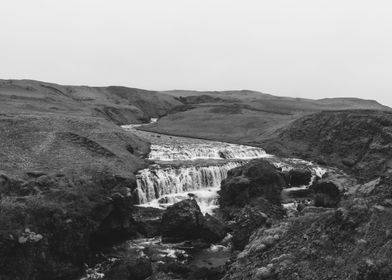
point(184, 168)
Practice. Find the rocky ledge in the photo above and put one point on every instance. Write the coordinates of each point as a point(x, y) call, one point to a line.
point(346, 233)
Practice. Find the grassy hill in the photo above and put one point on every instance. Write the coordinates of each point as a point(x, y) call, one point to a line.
point(121, 105)
point(245, 116)
point(67, 173)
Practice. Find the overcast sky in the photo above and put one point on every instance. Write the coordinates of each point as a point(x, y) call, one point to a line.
point(302, 48)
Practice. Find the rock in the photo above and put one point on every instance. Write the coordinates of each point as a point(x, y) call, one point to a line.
point(325, 194)
point(299, 177)
point(264, 272)
point(117, 226)
point(212, 229)
point(147, 220)
point(35, 173)
point(184, 221)
point(258, 178)
point(357, 141)
point(247, 221)
point(181, 221)
point(135, 269)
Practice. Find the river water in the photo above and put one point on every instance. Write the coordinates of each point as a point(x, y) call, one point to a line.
point(184, 167)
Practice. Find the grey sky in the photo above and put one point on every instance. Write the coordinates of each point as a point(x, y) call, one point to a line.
point(303, 48)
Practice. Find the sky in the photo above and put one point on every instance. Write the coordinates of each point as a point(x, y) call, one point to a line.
point(302, 48)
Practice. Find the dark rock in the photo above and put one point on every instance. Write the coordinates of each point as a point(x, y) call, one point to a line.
point(4, 184)
point(129, 148)
point(212, 229)
point(258, 178)
point(35, 174)
point(325, 194)
point(147, 220)
point(299, 177)
point(181, 221)
point(184, 221)
point(117, 226)
point(130, 269)
point(246, 222)
point(301, 206)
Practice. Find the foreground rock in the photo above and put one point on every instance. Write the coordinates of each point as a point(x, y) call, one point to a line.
point(184, 221)
point(258, 178)
point(353, 242)
point(325, 194)
point(250, 199)
point(299, 177)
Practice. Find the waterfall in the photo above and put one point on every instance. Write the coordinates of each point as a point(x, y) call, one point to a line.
point(188, 167)
point(211, 150)
point(166, 183)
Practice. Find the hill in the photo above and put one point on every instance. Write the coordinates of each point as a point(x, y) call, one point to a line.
point(121, 105)
point(246, 117)
point(358, 141)
point(67, 173)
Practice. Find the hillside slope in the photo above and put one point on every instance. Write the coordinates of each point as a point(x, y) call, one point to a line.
point(121, 105)
point(67, 173)
point(245, 117)
point(358, 140)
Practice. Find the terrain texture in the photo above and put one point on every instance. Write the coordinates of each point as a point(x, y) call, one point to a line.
point(67, 178)
point(67, 173)
point(246, 117)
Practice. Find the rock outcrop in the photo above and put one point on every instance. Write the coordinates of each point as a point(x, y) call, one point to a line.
point(66, 190)
point(250, 198)
point(358, 141)
point(299, 177)
point(258, 178)
point(325, 194)
point(184, 221)
point(51, 225)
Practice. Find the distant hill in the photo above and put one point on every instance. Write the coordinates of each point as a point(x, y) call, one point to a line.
point(121, 105)
point(245, 116)
point(241, 116)
point(279, 101)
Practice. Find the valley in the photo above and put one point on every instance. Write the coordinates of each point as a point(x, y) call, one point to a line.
point(229, 185)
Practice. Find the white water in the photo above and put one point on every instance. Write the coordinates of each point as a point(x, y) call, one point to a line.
point(212, 150)
point(164, 186)
point(167, 182)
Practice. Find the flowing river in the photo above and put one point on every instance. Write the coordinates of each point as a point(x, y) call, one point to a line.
point(184, 168)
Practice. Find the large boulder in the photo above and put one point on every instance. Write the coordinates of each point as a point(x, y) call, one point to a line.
point(212, 229)
point(184, 221)
point(181, 221)
point(258, 178)
point(325, 194)
point(299, 177)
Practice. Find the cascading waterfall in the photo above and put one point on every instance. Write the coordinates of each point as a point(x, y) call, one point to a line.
point(188, 167)
point(213, 150)
point(208, 164)
point(163, 186)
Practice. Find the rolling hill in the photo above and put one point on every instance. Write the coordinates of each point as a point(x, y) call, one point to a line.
point(246, 117)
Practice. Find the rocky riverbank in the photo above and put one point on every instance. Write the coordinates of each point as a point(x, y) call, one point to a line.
point(68, 188)
point(347, 235)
